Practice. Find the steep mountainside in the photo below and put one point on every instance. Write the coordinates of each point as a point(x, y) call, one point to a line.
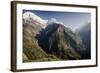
point(32, 25)
point(49, 41)
point(61, 41)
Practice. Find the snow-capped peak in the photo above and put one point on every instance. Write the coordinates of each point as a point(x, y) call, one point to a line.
point(31, 17)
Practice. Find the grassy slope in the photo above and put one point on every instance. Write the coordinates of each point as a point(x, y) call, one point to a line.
point(32, 51)
point(65, 50)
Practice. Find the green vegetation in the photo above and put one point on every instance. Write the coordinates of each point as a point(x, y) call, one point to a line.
point(33, 52)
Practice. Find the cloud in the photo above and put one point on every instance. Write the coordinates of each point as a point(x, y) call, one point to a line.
point(53, 20)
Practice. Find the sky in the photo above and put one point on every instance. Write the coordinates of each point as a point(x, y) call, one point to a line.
point(73, 20)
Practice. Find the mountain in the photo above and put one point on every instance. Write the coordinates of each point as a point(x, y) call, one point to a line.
point(49, 40)
point(32, 25)
point(61, 41)
point(85, 33)
point(29, 18)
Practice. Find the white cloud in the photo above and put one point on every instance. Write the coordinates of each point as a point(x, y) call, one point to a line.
point(53, 20)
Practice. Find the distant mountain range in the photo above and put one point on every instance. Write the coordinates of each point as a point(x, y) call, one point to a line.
point(49, 40)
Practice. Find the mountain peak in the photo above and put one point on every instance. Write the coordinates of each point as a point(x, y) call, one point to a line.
point(30, 17)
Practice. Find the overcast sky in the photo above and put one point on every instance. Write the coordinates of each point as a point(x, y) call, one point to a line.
point(74, 20)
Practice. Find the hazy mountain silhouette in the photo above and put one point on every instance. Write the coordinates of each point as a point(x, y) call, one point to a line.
point(85, 33)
